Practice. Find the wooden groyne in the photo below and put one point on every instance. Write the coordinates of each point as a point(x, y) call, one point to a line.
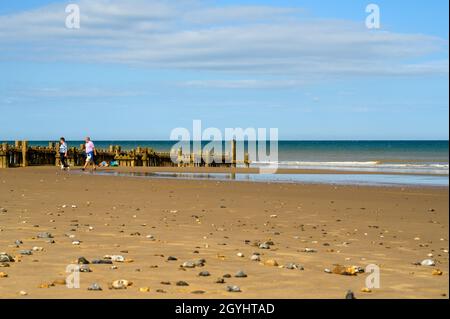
point(21, 154)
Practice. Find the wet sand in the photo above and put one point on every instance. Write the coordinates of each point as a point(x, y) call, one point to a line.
point(190, 220)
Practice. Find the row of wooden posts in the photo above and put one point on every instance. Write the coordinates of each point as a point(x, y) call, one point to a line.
point(21, 154)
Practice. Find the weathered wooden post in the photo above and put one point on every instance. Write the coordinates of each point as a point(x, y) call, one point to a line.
point(246, 160)
point(24, 153)
point(145, 158)
point(4, 158)
point(180, 156)
point(233, 153)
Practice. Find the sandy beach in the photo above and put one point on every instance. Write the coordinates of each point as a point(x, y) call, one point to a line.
point(146, 221)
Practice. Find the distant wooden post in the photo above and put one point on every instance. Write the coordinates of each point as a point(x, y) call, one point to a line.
point(233, 153)
point(180, 156)
point(24, 153)
point(246, 160)
point(4, 158)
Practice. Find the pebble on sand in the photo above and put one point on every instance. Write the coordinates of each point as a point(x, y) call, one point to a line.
point(436, 272)
point(294, 266)
point(233, 289)
point(204, 274)
point(121, 284)
point(82, 261)
point(44, 235)
point(95, 287)
point(350, 295)
point(428, 262)
point(23, 293)
point(4, 257)
point(182, 283)
point(3, 275)
point(240, 274)
point(144, 289)
point(85, 268)
point(255, 258)
point(271, 262)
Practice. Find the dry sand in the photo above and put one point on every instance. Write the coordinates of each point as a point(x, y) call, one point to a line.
point(348, 225)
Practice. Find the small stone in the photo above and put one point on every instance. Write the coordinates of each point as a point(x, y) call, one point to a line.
point(427, 262)
point(4, 257)
point(264, 246)
point(240, 274)
point(350, 295)
point(76, 242)
point(161, 291)
point(271, 262)
point(255, 258)
point(198, 292)
point(25, 252)
point(204, 274)
point(188, 264)
point(233, 289)
point(115, 258)
point(60, 282)
point(144, 289)
point(199, 262)
point(23, 293)
point(436, 272)
point(44, 235)
point(167, 283)
point(240, 254)
point(366, 290)
point(226, 276)
point(102, 261)
point(36, 248)
point(3, 275)
point(294, 266)
point(327, 270)
point(4, 265)
point(94, 287)
point(172, 258)
point(309, 250)
point(18, 242)
point(85, 268)
point(220, 281)
point(82, 261)
point(182, 283)
point(120, 284)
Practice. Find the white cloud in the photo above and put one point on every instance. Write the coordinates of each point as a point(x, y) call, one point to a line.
point(243, 84)
point(194, 35)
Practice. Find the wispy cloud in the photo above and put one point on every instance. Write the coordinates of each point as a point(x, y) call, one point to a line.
point(194, 35)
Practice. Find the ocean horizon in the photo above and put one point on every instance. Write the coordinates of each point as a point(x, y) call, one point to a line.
point(394, 156)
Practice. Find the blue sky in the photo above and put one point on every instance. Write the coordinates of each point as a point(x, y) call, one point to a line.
point(138, 69)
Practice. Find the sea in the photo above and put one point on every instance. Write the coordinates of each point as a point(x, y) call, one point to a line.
point(416, 163)
point(421, 157)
